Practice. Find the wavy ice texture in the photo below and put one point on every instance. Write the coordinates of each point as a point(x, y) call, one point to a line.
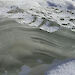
point(48, 15)
point(66, 68)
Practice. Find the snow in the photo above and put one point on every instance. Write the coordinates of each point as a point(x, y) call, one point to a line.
point(51, 10)
point(67, 68)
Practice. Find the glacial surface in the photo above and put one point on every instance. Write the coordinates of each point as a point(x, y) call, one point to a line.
point(35, 34)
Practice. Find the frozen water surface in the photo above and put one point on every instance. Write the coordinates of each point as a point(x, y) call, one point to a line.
point(34, 33)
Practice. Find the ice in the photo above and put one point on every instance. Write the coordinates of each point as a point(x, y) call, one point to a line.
point(66, 68)
point(31, 12)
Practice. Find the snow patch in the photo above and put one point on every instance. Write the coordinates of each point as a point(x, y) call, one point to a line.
point(67, 68)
